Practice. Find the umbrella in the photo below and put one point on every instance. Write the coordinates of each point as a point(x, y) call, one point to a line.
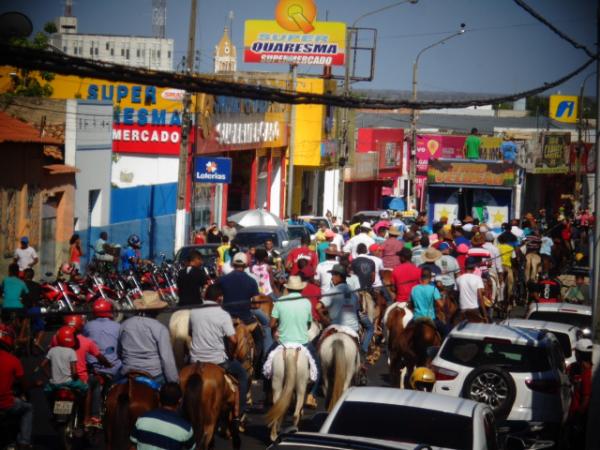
point(256, 217)
point(397, 204)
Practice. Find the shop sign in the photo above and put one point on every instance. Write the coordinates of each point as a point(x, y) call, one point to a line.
point(152, 139)
point(236, 133)
point(295, 37)
point(471, 173)
point(435, 146)
point(212, 170)
point(554, 157)
point(563, 108)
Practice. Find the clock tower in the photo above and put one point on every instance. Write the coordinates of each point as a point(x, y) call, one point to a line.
point(225, 54)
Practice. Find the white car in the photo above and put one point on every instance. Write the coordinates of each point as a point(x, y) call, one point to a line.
point(420, 418)
point(566, 334)
point(572, 314)
point(519, 373)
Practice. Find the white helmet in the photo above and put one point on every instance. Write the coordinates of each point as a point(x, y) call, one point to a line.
point(584, 345)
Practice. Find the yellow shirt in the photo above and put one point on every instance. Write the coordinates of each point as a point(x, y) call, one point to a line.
point(221, 249)
point(506, 253)
point(353, 228)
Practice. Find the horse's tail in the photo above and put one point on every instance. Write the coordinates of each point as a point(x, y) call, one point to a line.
point(282, 404)
point(121, 426)
point(191, 404)
point(338, 353)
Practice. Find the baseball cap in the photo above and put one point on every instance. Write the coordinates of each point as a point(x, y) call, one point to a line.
point(25, 240)
point(365, 225)
point(374, 248)
point(339, 269)
point(443, 246)
point(462, 248)
point(240, 259)
point(329, 234)
point(584, 345)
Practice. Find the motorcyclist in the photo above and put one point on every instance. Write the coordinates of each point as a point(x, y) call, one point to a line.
point(131, 255)
point(422, 379)
point(11, 372)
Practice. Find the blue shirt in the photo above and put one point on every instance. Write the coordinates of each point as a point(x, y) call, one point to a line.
point(126, 256)
point(13, 289)
point(162, 429)
point(509, 150)
point(423, 298)
point(342, 305)
point(238, 288)
point(105, 333)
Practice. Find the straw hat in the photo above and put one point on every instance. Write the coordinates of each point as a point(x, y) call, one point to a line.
point(295, 283)
point(149, 300)
point(431, 255)
point(394, 231)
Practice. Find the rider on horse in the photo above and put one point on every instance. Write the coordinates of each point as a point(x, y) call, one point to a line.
point(144, 342)
point(209, 326)
point(424, 298)
point(291, 319)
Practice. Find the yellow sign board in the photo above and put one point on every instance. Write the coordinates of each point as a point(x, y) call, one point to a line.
point(563, 108)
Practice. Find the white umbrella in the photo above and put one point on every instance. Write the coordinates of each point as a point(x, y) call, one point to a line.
point(256, 217)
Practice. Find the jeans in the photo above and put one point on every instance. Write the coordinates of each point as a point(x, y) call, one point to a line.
point(267, 342)
point(25, 411)
point(236, 369)
point(369, 331)
point(386, 295)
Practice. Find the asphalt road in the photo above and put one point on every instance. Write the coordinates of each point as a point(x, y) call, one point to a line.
point(256, 435)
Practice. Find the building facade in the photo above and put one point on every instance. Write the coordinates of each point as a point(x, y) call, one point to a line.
point(225, 54)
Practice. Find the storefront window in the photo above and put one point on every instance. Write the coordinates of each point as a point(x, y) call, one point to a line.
point(201, 206)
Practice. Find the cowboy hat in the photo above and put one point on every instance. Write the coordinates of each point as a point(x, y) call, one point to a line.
point(339, 269)
point(149, 300)
point(431, 255)
point(478, 240)
point(394, 231)
point(295, 283)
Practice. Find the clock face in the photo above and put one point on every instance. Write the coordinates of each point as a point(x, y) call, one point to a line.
point(226, 49)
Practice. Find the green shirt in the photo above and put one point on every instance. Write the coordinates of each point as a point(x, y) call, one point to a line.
point(472, 145)
point(13, 289)
point(294, 314)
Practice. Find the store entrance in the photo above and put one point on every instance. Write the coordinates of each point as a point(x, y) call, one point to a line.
point(238, 197)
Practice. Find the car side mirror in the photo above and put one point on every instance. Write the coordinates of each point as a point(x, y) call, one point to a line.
point(432, 351)
point(285, 243)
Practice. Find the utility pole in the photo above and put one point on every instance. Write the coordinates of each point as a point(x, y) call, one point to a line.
point(186, 128)
point(596, 254)
point(291, 145)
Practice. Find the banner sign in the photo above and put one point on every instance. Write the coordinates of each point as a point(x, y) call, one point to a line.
point(471, 173)
point(448, 210)
point(146, 139)
point(435, 146)
point(212, 170)
point(587, 157)
point(554, 158)
point(563, 108)
point(295, 37)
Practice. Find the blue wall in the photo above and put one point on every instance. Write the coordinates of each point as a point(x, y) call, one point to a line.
point(148, 211)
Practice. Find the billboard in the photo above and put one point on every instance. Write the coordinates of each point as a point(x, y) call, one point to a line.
point(295, 37)
point(435, 146)
point(212, 170)
point(471, 173)
point(563, 108)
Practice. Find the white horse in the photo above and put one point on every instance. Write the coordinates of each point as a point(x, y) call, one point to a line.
point(179, 329)
point(340, 362)
point(290, 375)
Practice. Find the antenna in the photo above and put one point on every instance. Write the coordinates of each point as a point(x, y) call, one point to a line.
point(68, 8)
point(159, 18)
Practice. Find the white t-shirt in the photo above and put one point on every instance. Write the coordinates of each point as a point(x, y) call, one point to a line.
point(338, 240)
point(378, 268)
point(468, 285)
point(60, 364)
point(352, 244)
point(322, 275)
point(25, 257)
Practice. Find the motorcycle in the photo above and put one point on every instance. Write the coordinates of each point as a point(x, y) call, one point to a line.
point(67, 416)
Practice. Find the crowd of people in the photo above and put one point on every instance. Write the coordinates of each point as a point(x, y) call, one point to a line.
point(317, 284)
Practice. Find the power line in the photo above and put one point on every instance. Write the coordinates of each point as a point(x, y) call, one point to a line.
point(556, 31)
point(69, 65)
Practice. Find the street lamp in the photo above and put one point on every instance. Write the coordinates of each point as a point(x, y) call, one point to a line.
point(413, 120)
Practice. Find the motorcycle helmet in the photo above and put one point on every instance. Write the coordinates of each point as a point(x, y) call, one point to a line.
point(74, 321)
point(102, 308)
point(134, 240)
point(422, 379)
point(65, 337)
point(7, 336)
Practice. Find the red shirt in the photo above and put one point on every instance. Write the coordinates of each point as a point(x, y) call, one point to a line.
point(313, 293)
point(405, 276)
point(86, 346)
point(582, 386)
point(302, 252)
point(199, 239)
point(10, 370)
point(461, 260)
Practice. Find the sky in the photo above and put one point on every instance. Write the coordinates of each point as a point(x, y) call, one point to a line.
point(504, 50)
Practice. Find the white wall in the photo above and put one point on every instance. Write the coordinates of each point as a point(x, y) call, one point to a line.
point(139, 170)
point(332, 200)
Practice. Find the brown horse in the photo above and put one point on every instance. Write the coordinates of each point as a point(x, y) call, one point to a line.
point(394, 326)
point(208, 397)
point(124, 404)
point(412, 345)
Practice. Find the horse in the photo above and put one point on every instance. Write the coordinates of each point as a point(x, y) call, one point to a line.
point(208, 397)
point(179, 326)
point(340, 362)
point(411, 347)
point(396, 318)
point(124, 404)
point(290, 375)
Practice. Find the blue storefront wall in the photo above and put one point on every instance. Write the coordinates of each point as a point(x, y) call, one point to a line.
point(148, 211)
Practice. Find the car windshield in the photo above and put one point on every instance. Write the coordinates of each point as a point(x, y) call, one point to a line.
point(297, 232)
point(256, 238)
point(579, 320)
point(513, 357)
point(403, 424)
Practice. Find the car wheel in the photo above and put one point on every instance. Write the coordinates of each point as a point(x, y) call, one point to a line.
point(492, 386)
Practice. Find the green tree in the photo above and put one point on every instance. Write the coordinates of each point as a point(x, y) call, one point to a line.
point(31, 83)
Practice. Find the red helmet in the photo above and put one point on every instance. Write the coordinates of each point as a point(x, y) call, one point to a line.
point(102, 308)
point(67, 269)
point(65, 337)
point(74, 321)
point(7, 336)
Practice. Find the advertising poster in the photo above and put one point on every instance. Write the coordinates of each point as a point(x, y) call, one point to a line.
point(435, 146)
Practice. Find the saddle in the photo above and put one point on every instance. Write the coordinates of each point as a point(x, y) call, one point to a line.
point(332, 329)
point(141, 378)
point(230, 380)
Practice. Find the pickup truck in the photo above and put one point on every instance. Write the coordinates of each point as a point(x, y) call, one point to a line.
point(257, 235)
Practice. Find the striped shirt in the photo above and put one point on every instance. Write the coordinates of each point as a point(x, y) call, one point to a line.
point(162, 429)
